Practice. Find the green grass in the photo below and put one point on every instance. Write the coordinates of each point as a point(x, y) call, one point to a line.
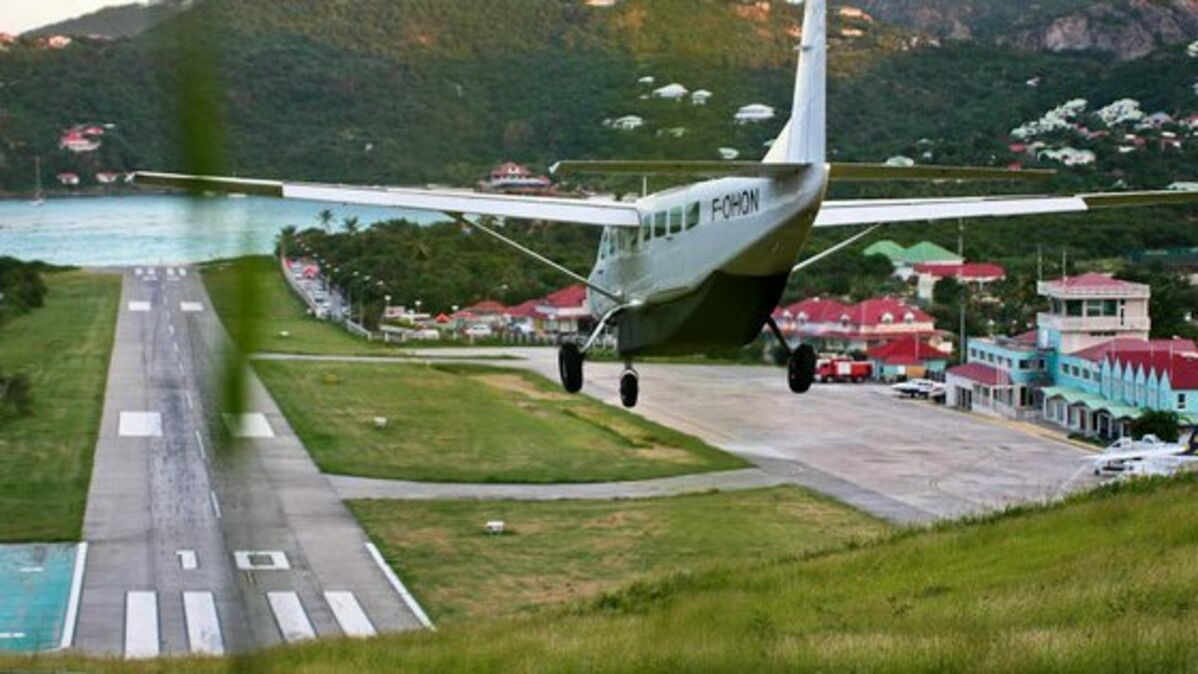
point(46, 458)
point(1102, 584)
point(255, 304)
point(557, 551)
point(462, 423)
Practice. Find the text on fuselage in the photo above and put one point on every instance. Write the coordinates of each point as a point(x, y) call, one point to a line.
point(736, 204)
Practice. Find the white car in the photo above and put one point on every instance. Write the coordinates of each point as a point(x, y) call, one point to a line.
point(919, 388)
point(478, 331)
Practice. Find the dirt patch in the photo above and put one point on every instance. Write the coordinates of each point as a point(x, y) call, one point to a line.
point(670, 454)
point(514, 383)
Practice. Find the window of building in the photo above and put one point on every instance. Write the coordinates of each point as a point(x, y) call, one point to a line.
point(692, 215)
point(887, 318)
point(675, 220)
point(1025, 365)
point(1181, 401)
point(1073, 307)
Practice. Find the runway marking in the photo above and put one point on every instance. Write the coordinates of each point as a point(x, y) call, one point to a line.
point(170, 271)
point(141, 625)
point(31, 569)
point(72, 616)
point(349, 614)
point(182, 271)
point(398, 586)
point(171, 327)
point(191, 307)
point(175, 346)
point(203, 625)
point(190, 403)
point(250, 425)
point(215, 503)
point(140, 425)
point(187, 560)
point(200, 442)
point(12, 635)
point(137, 271)
point(261, 560)
point(140, 307)
point(289, 614)
point(180, 364)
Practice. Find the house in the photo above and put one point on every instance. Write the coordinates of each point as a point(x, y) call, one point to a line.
point(107, 177)
point(700, 97)
point(56, 42)
point(647, 79)
point(68, 179)
point(999, 377)
point(905, 260)
point(848, 12)
point(512, 178)
point(832, 326)
point(1088, 310)
point(559, 313)
point(1122, 111)
point(488, 312)
point(901, 161)
point(977, 275)
point(627, 123)
point(907, 357)
point(672, 91)
point(1069, 156)
point(729, 153)
point(754, 112)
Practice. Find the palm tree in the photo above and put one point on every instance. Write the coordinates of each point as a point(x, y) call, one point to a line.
point(326, 218)
point(351, 225)
point(286, 237)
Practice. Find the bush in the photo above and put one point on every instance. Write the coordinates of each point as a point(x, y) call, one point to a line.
point(16, 399)
point(1163, 424)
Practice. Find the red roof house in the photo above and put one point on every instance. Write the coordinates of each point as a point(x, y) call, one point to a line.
point(981, 373)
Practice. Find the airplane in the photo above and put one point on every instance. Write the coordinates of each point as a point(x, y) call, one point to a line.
point(1148, 456)
point(704, 265)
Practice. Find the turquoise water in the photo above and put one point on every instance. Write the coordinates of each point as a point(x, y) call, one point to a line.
point(163, 229)
point(35, 586)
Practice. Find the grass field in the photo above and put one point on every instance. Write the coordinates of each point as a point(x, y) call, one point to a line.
point(461, 423)
point(47, 457)
point(256, 305)
point(560, 551)
point(1102, 584)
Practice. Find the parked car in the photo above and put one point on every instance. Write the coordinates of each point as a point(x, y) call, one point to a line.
point(479, 331)
point(919, 388)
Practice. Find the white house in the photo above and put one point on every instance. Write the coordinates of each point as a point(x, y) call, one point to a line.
point(1122, 111)
point(647, 79)
point(627, 123)
point(1069, 156)
point(700, 97)
point(729, 153)
point(672, 91)
point(754, 112)
point(900, 160)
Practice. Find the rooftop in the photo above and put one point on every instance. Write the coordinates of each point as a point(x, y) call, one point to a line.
point(982, 374)
point(1091, 285)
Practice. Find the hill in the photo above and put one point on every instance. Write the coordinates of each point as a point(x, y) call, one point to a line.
point(115, 22)
point(1102, 583)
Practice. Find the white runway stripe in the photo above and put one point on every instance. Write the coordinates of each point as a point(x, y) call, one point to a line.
point(141, 625)
point(349, 614)
point(289, 614)
point(203, 627)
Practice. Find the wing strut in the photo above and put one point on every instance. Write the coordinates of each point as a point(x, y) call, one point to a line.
point(476, 223)
point(834, 249)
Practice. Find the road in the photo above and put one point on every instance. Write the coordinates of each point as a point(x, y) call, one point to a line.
point(902, 460)
point(201, 542)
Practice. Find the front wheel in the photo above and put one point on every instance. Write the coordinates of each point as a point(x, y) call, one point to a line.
point(569, 366)
point(629, 389)
point(800, 368)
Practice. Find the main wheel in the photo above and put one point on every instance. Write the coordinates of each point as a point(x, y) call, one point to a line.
point(569, 366)
point(630, 386)
point(800, 368)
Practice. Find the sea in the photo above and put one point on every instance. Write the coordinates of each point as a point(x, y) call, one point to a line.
point(164, 229)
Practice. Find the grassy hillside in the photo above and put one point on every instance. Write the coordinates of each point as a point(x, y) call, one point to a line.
point(1102, 584)
point(113, 22)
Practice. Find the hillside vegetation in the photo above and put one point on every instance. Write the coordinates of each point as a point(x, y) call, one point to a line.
point(1101, 584)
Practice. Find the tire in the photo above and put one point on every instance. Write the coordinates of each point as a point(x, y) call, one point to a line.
point(629, 389)
point(569, 367)
point(800, 369)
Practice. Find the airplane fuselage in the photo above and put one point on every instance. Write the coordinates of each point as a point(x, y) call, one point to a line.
point(709, 262)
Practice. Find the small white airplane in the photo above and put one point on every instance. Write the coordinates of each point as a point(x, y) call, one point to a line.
point(704, 265)
point(1147, 456)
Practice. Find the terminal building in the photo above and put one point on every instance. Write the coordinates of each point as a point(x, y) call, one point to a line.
point(1088, 368)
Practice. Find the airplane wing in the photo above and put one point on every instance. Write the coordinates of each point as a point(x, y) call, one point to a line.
point(456, 202)
point(876, 211)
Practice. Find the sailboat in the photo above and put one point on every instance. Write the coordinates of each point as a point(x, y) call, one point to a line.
point(38, 199)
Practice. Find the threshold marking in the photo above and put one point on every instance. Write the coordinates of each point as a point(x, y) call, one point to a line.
point(215, 504)
point(72, 616)
point(289, 615)
point(398, 586)
point(140, 425)
point(349, 614)
point(261, 560)
point(171, 327)
point(141, 625)
point(137, 271)
point(200, 442)
point(203, 625)
point(170, 271)
point(140, 307)
point(190, 403)
point(187, 560)
point(12, 635)
point(182, 271)
point(191, 307)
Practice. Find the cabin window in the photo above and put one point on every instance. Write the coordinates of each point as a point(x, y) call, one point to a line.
point(659, 225)
point(647, 228)
point(675, 220)
point(692, 215)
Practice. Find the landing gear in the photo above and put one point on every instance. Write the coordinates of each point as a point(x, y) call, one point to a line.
point(800, 362)
point(630, 386)
point(569, 366)
point(800, 368)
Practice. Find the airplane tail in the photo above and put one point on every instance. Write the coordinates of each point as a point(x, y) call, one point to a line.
point(804, 140)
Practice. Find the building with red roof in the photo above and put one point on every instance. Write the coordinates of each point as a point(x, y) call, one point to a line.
point(907, 357)
point(1091, 309)
point(558, 313)
point(835, 326)
point(978, 275)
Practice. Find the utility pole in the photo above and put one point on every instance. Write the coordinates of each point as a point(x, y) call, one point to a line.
point(1039, 262)
point(964, 287)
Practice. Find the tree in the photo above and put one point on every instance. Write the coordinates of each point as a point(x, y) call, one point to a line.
point(325, 216)
point(1172, 299)
point(1164, 424)
point(351, 225)
point(16, 399)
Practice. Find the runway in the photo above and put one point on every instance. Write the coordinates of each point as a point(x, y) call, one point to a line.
point(208, 532)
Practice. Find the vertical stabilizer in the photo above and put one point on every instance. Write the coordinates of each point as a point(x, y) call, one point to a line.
point(804, 140)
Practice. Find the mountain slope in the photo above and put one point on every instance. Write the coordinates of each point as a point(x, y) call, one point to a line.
point(115, 22)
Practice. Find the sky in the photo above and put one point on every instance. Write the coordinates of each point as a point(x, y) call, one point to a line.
point(18, 16)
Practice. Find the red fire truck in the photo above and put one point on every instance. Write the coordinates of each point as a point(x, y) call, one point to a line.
point(843, 369)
